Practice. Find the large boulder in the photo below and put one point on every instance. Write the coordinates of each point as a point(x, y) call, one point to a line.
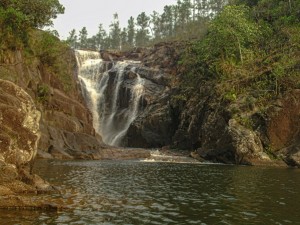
point(19, 135)
point(247, 145)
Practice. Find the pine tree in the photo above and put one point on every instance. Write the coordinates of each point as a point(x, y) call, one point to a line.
point(124, 39)
point(167, 21)
point(115, 32)
point(72, 39)
point(156, 26)
point(100, 37)
point(83, 36)
point(142, 35)
point(131, 32)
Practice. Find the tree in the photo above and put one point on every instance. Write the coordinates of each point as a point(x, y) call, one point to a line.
point(115, 32)
point(237, 29)
point(131, 32)
point(215, 6)
point(167, 21)
point(175, 13)
point(14, 28)
point(92, 42)
point(17, 17)
point(72, 39)
point(106, 43)
point(124, 38)
point(184, 12)
point(142, 34)
point(39, 13)
point(156, 26)
point(100, 37)
point(83, 38)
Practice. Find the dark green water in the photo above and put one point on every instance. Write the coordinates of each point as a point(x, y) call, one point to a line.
point(132, 192)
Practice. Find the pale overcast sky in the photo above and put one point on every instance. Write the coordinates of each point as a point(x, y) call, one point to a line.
point(90, 13)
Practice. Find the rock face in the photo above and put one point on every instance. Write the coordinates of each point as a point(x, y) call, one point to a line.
point(66, 123)
point(283, 128)
point(247, 144)
point(153, 125)
point(126, 97)
point(206, 122)
point(19, 135)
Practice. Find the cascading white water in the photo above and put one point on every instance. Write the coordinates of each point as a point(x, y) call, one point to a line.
point(102, 95)
point(133, 109)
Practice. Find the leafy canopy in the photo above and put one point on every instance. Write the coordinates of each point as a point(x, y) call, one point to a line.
point(37, 13)
point(17, 17)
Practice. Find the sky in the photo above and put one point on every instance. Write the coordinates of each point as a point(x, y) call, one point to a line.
point(90, 13)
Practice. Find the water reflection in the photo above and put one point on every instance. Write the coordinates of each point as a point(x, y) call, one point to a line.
point(131, 192)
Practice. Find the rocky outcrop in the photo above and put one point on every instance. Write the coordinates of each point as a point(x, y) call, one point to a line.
point(154, 124)
point(58, 96)
point(19, 135)
point(66, 126)
point(220, 130)
point(247, 145)
point(228, 132)
point(283, 128)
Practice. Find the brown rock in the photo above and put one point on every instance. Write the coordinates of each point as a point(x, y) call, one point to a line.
point(19, 136)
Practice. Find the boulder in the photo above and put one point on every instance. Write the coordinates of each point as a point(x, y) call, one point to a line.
point(19, 135)
point(246, 143)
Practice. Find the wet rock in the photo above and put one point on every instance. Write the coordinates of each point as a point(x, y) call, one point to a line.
point(27, 203)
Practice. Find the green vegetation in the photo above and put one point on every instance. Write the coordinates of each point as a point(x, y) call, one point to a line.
point(19, 17)
point(22, 42)
point(54, 55)
point(252, 48)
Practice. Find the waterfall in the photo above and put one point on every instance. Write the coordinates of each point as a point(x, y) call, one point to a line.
point(113, 100)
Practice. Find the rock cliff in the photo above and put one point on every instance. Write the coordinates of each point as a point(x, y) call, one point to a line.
point(66, 123)
point(218, 129)
point(19, 135)
point(215, 128)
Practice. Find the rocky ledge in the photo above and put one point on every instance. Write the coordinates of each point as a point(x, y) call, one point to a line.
point(104, 153)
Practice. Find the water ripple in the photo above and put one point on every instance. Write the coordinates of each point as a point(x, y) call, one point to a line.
point(117, 192)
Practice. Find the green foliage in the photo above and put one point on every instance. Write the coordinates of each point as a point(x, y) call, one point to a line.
point(46, 48)
point(101, 37)
point(38, 13)
point(251, 49)
point(18, 17)
point(72, 39)
point(230, 96)
point(142, 34)
point(115, 33)
point(83, 37)
point(245, 121)
point(231, 35)
point(13, 28)
point(43, 93)
point(131, 31)
point(52, 54)
point(270, 152)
